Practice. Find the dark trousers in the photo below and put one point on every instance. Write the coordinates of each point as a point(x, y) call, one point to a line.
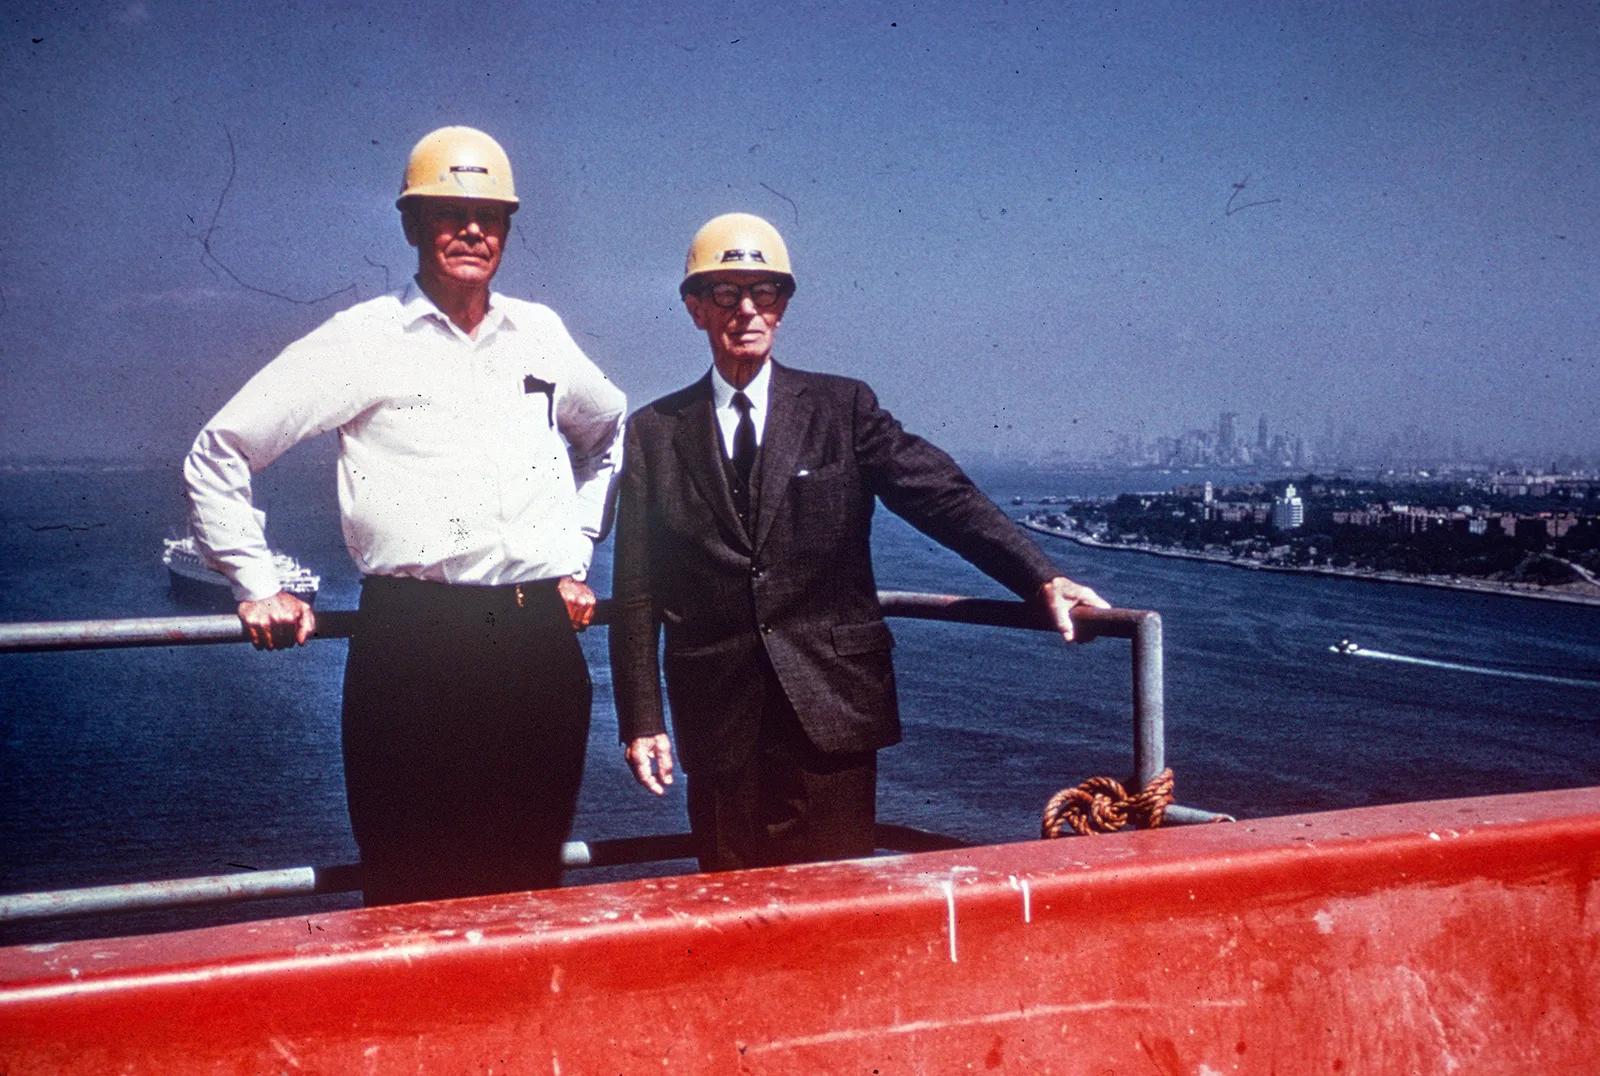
point(788, 802)
point(466, 718)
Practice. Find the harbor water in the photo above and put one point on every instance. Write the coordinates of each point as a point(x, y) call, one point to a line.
point(177, 762)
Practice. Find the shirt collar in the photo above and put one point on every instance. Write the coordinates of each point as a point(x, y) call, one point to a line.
point(415, 305)
point(756, 391)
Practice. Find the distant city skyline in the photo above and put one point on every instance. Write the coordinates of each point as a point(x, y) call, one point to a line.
point(1225, 444)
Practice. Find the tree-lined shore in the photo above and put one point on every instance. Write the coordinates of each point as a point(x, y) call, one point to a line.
point(1441, 535)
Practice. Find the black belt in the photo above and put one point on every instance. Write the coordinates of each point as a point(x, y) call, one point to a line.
point(518, 594)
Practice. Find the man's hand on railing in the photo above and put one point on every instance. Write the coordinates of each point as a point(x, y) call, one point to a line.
point(280, 622)
point(579, 599)
point(1061, 595)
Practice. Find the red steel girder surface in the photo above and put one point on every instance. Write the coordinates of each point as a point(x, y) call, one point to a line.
point(1446, 937)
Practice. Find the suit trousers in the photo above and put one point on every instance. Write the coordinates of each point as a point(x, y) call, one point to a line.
point(788, 802)
point(466, 720)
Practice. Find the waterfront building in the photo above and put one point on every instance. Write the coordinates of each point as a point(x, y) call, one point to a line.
point(1288, 511)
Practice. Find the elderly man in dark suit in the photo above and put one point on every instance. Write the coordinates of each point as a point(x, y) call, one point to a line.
point(744, 526)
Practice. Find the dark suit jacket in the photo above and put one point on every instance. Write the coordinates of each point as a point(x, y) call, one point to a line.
point(801, 587)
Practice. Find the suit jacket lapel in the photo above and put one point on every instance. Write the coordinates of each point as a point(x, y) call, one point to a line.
point(699, 445)
point(787, 418)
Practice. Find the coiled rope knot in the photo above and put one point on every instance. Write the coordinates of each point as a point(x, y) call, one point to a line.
point(1102, 805)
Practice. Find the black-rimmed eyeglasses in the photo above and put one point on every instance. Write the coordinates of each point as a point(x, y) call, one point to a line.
point(763, 294)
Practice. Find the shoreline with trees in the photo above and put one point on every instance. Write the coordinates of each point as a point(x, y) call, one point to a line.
point(1440, 535)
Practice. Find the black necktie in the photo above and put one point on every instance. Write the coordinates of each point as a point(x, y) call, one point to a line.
point(744, 439)
point(744, 456)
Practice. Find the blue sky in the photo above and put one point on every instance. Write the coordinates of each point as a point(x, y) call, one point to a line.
point(1030, 226)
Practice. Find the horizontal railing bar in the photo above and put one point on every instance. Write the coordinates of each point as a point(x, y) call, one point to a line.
point(309, 881)
point(128, 632)
point(1179, 815)
point(1001, 613)
point(23, 638)
point(621, 851)
point(178, 893)
point(345, 878)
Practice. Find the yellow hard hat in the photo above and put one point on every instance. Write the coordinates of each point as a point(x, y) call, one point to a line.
point(458, 162)
point(736, 241)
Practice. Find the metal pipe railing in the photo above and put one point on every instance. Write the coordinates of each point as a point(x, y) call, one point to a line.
point(178, 893)
point(341, 624)
point(129, 632)
point(171, 893)
point(1141, 627)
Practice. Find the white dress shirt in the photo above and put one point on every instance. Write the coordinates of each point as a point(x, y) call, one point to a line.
point(456, 463)
point(728, 415)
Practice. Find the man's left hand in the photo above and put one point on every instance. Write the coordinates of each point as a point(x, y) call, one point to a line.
point(1061, 595)
point(579, 599)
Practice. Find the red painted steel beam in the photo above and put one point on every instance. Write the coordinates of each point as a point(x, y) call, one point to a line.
point(1447, 937)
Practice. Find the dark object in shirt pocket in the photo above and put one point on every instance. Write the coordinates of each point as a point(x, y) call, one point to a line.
point(531, 385)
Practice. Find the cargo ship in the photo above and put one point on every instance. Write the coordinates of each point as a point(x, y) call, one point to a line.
point(193, 583)
point(1441, 937)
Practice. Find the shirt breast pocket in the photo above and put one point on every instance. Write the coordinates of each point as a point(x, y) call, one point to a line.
point(536, 392)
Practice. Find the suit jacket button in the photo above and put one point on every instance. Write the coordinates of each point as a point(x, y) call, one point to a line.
point(766, 629)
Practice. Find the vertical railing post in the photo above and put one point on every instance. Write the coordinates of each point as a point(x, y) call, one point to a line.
point(1149, 718)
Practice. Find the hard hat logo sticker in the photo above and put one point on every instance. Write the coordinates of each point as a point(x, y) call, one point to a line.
point(743, 256)
point(469, 168)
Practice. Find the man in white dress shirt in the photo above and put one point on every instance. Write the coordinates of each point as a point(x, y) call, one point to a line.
point(477, 448)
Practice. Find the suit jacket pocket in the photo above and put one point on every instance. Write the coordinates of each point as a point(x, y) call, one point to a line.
point(716, 693)
point(683, 642)
point(823, 503)
point(822, 472)
point(866, 638)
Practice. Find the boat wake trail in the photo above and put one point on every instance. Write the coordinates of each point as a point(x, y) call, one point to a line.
point(1363, 652)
